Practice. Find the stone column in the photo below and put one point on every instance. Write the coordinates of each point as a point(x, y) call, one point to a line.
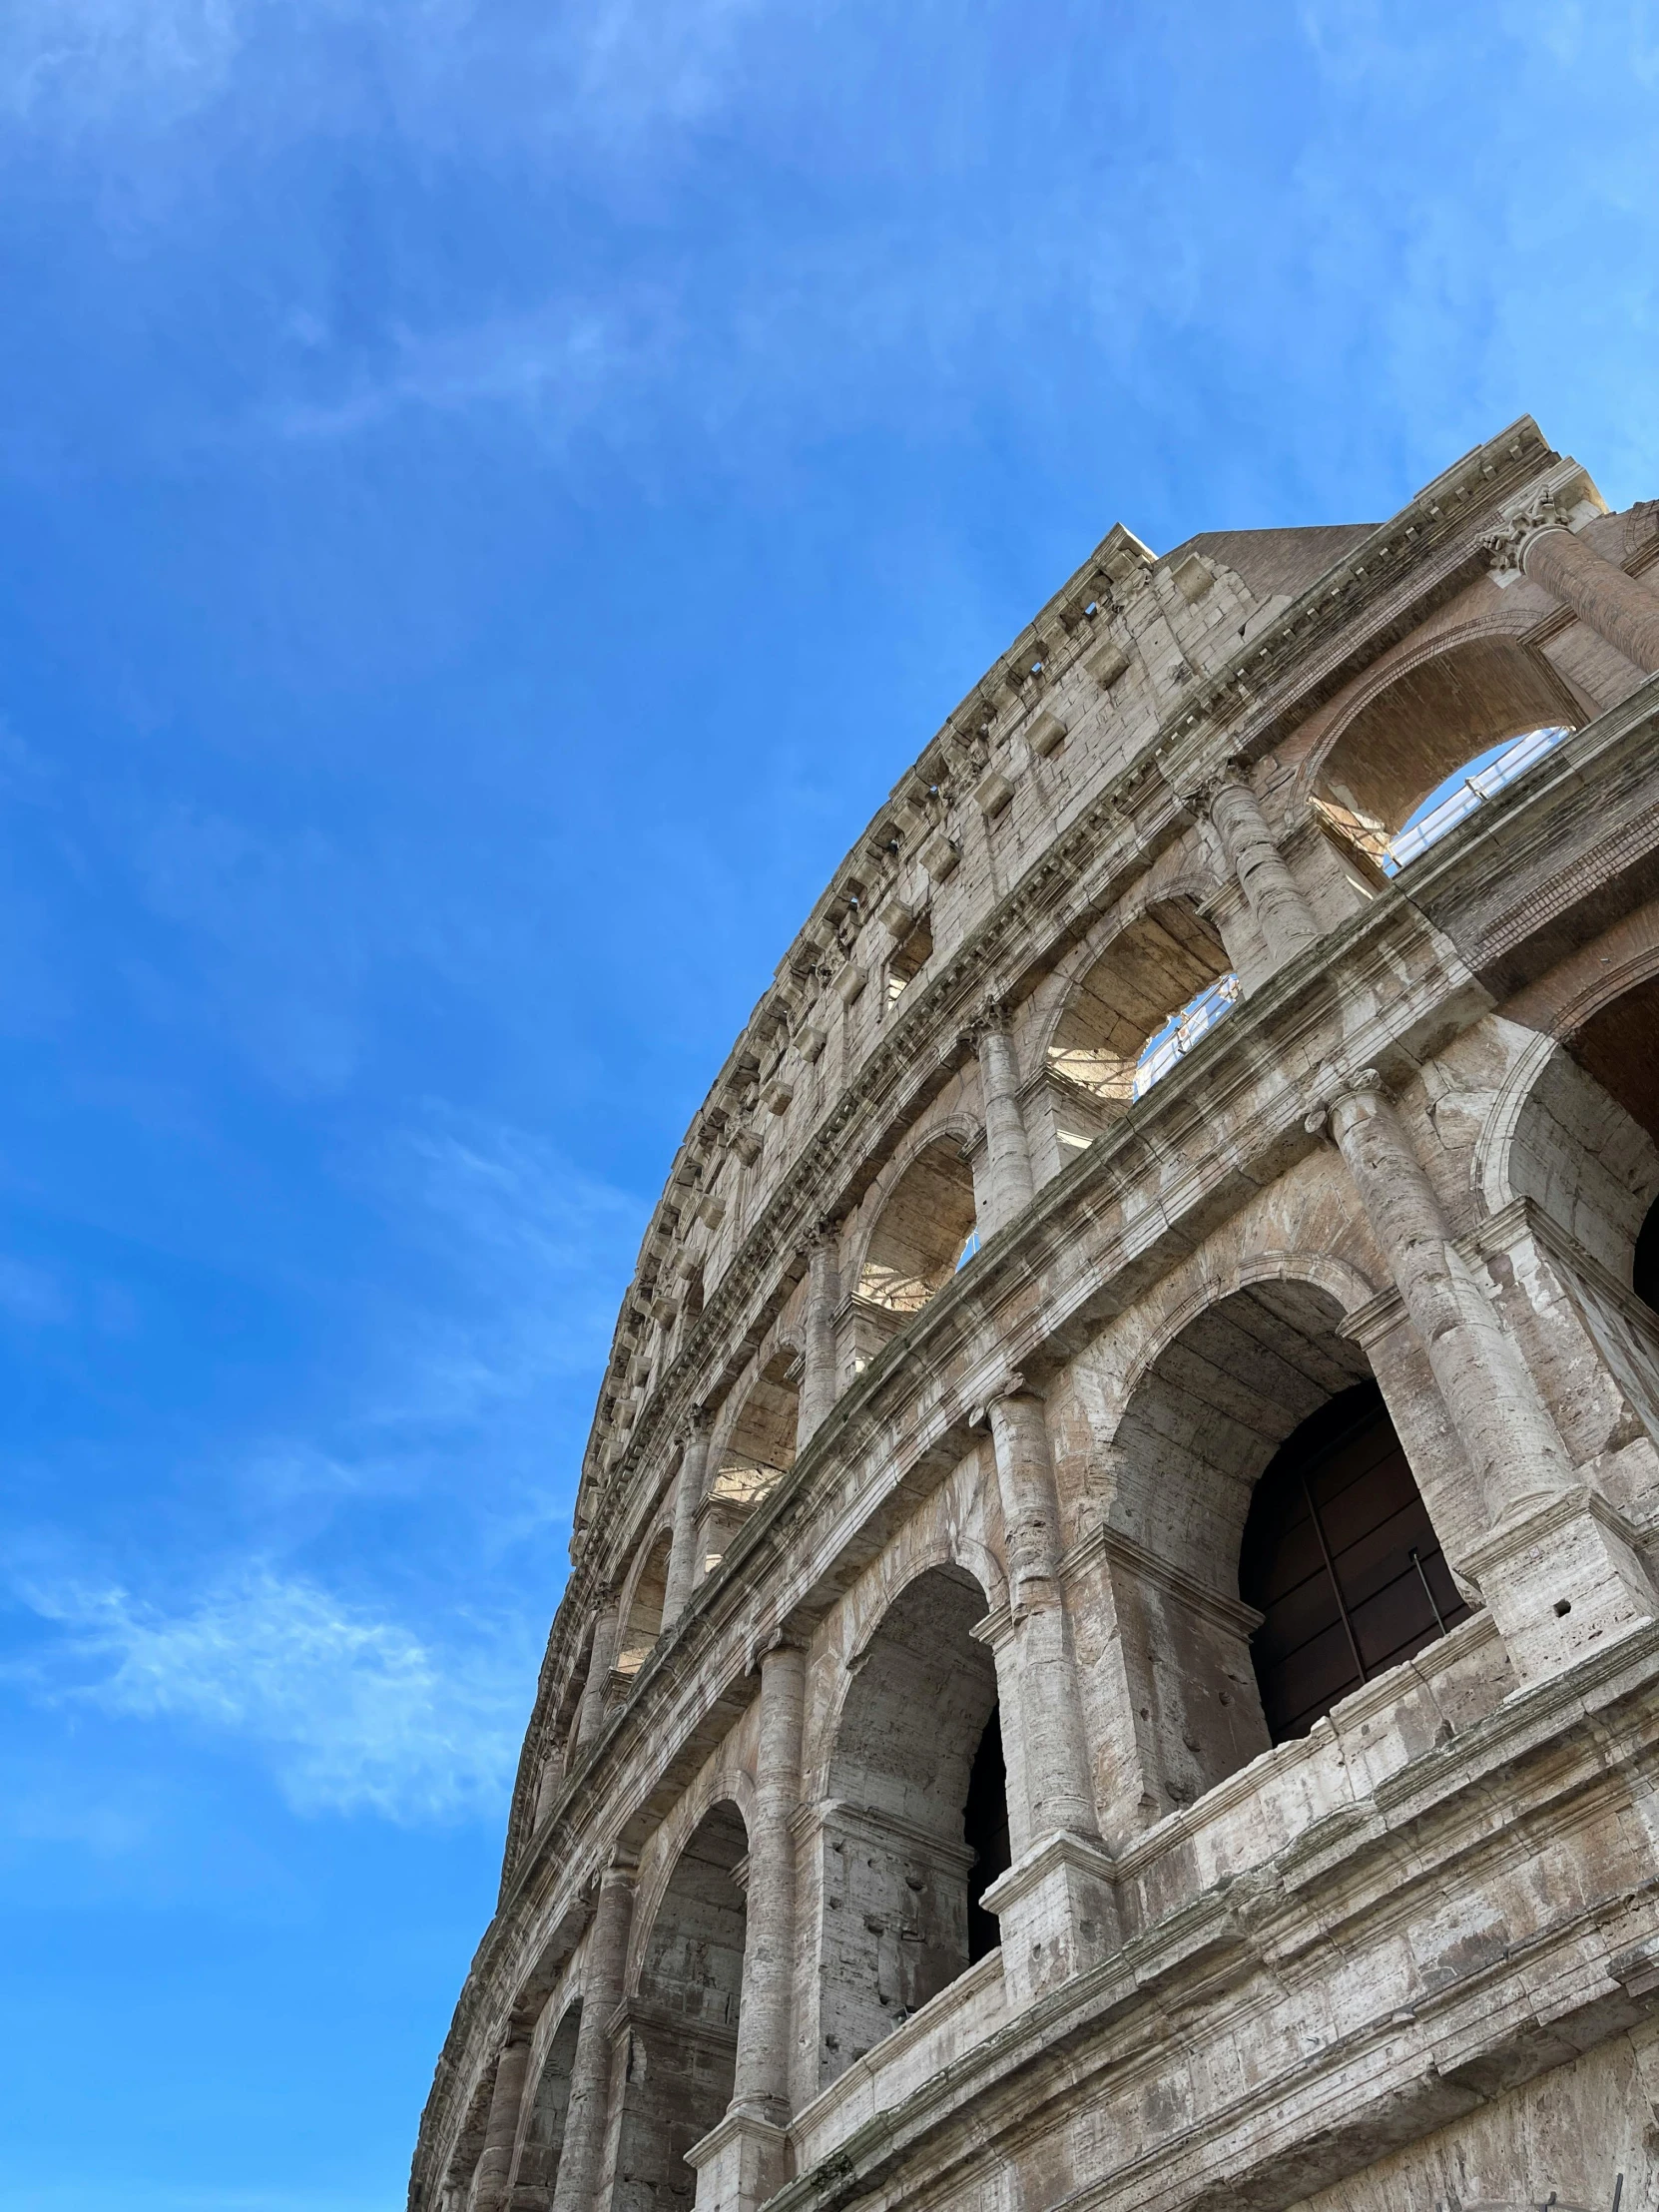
point(494, 2168)
point(1282, 914)
point(1541, 545)
point(818, 1345)
point(1009, 1184)
point(1051, 1722)
point(590, 2073)
point(601, 1652)
point(688, 1497)
point(1056, 1904)
point(1517, 1456)
point(1544, 1527)
point(743, 2160)
point(764, 2019)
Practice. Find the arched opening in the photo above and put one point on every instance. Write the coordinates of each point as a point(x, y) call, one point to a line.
point(1583, 1150)
point(1619, 1047)
point(1430, 723)
point(1207, 1420)
point(910, 956)
point(985, 1833)
point(917, 1822)
point(1342, 1561)
point(1156, 989)
point(923, 1232)
point(645, 1609)
point(544, 2130)
point(1644, 1270)
point(469, 2144)
point(683, 2021)
point(759, 1451)
point(1467, 788)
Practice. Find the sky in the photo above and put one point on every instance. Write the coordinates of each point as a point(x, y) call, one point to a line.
point(492, 496)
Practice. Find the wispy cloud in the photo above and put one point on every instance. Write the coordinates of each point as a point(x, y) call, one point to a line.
point(607, 71)
point(354, 1712)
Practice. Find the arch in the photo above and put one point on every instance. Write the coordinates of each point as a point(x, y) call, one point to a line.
point(1149, 971)
point(1425, 715)
point(1235, 1375)
point(918, 1236)
point(718, 1785)
point(1618, 1044)
point(1339, 1281)
point(933, 1539)
point(682, 2017)
point(542, 2128)
point(641, 1612)
point(1557, 1136)
point(914, 1741)
point(757, 1453)
point(1572, 1131)
point(962, 1129)
point(469, 2139)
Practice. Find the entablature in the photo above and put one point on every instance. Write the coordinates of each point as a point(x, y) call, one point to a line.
point(1371, 598)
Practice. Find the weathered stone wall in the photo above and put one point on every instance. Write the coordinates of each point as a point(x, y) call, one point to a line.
point(952, 1363)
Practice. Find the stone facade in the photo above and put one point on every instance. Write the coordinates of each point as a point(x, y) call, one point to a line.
point(955, 1777)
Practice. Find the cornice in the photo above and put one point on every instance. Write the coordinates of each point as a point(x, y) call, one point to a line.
point(1597, 1722)
point(1171, 1123)
point(1279, 1026)
point(1424, 554)
point(1284, 1026)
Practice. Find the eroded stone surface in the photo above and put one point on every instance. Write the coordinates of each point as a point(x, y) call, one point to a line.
point(955, 1355)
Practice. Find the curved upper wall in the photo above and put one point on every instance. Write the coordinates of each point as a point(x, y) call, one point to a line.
point(1138, 671)
point(1181, 789)
point(1059, 806)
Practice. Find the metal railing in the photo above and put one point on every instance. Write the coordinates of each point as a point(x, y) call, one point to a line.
point(1183, 1031)
point(1461, 800)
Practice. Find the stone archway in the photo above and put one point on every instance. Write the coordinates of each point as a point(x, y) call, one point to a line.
point(758, 1452)
point(1429, 719)
point(1204, 1422)
point(643, 1619)
point(681, 2026)
point(541, 2139)
point(1152, 969)
point(918, 1238)
point(916, 1759)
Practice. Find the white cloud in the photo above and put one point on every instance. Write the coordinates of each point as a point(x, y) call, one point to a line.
point(353, 1712)
point(87, 58)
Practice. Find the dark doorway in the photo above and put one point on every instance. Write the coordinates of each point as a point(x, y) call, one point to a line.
point(985, 1832)
point(1341, 1558)
point(1644, 1274)
point(1620, 1049)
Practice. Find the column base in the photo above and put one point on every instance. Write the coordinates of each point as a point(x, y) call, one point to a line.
point(739, 2163)
point(1058, 1913)
point(1562, 1579)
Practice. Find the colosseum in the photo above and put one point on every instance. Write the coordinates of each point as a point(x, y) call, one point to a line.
point(1111, 1657)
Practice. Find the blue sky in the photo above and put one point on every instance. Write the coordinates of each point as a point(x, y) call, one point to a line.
point(492, 496)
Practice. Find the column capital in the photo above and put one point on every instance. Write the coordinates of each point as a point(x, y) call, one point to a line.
point(993, 1017)
point(824, 1231)
point(787, 1636)
point(1338, 1089)
point(1199, 797)
point(699, 1421)
point(1506, 547)
point(1565, 499)
point(1012, 1385)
